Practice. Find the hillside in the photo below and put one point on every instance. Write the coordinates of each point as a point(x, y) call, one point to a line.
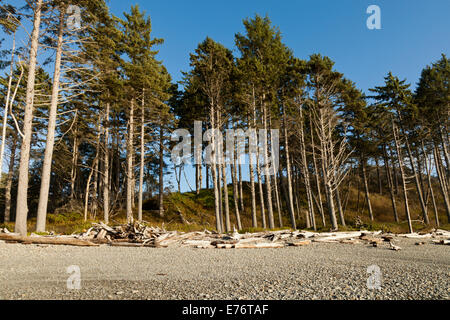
point(191, 212)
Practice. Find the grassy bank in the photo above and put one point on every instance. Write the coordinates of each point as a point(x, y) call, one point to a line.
point(191, 212)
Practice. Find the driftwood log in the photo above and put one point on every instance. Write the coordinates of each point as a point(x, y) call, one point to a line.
point(140, 235)
point(46, 240)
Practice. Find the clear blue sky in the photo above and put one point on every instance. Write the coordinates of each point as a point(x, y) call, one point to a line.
point(414, 32)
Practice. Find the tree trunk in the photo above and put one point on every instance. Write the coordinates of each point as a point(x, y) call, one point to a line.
point(48, 155)
point(305, 170)
point(241, 191)
point(417, 182)
point(278, 202)
point(86, 194)
point(428, 168)
point(275, 182)
point(261, 193)
point(366, 188)
point(444, 142)
point(380, 186)
point(22, 193)
point(290, 194)
point(214, 173)
point(9, 180)
point(403, 179)
point(73, 174)
point(442, 181)
point(6, 110)
point(130, 180)
point(106, 183)
point(161, 172)
point(325, 152)
point(142, 164)
point(226, 198)
point(390, 184)
point(253, 194)
point(317, 176)
point(339, 205)
point(266, 170)
point(235, 194)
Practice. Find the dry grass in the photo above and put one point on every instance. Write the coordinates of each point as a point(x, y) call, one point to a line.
point(198, 214)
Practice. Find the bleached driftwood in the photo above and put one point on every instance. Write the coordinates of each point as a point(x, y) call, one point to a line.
point(443, 242)
point(334, 237)
point(47, 240)
point(300, 243)
point(259, 246)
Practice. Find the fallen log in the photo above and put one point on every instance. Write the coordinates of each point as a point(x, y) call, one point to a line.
point(224, 242)
point(259, 246)
point(415, 236)
point(299, 243)
point(47, 240)
point(196, 242)
point(225, 246)
point(339, 236)
point(350, 241)
point(443, 242)
point(395, 248)
point(372, 240)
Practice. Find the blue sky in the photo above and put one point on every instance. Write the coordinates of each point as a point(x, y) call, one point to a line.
point(414, 32)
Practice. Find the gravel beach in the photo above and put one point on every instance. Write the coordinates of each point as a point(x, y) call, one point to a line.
point(317, 271)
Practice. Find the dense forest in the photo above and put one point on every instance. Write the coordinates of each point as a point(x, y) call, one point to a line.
point(89, 112)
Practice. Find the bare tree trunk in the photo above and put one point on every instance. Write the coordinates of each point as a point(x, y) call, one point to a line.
point(339, 205)
point(402, 173)
point(277, 195)
point(106, 183)
point(444, 142)
point(316, 171)
point(226, 198)
point(73, 174)
point(86, 194)
point(428, 168)
point(305, 170)
point(130, 180)
point(390, 184)
point(48, 155)
point(261, 194)
point(266, 171)
point(7, 103)
point(161, 172)
point(325, 152)
point(253, 194)
point(214, 173)
point(9, 180)
point(235, 194)
point(394, 168)
point(219, 182)
point(366, 188)
point(142, 164)
point(442, 181)
point(96, 173)
point(207, 176)
point(417, 182)
point(278, 202)
point(22, 193)
point(241, 190)
point(177, 174)
point(380, 186)
point(290, 195)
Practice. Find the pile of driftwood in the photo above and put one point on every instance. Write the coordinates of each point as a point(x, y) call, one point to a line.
point(141, 235)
